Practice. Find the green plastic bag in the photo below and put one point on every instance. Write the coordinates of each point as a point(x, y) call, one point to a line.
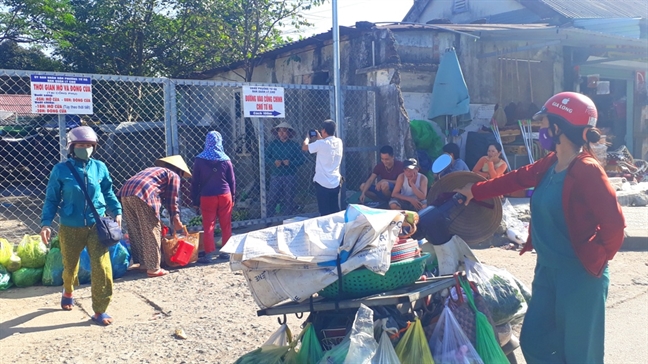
point(5, 279)
point(32, 252)
point(53, 271)
point(311, 351)
point(55, 243)
point(413, 347)
point(426, 138)
point(270, 354)
point(26, 277)
point(488, 346)
point(6, 250)
point(14, 263)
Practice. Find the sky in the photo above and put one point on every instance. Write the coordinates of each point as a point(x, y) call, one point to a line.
point(351, 11)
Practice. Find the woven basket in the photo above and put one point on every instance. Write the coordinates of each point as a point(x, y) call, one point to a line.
point(363, 282)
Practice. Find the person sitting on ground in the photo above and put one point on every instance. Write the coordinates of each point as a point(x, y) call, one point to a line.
point(387, 170)
point(410, 192)
point(457, 163)
point(491, 165)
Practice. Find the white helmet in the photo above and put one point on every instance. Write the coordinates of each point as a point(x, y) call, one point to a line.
point(81, 134)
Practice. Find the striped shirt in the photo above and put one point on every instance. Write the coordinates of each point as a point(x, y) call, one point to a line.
point(155, 186)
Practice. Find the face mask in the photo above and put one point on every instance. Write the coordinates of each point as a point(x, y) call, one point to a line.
point(83, 153)
point(546, 142)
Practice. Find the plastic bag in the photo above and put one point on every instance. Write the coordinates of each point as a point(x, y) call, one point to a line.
point(281, 337)
point(449, 344)
point(6, 250)
point(311, 351)
point(385, 353)
point(119, 259)
point(55, 243)
point(488, 347)
point(84, 274)
point(14, 263)
point(53, 271)
point(363, 345)
point(5, 279)
point(413, 347)
point(32, 252)
point(351, 350)
point(270, 354)
point(500, 291)
point(26, 277)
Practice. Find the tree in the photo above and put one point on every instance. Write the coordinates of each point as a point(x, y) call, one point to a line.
point(13, 56)
point(33, 21)
point(252, 27)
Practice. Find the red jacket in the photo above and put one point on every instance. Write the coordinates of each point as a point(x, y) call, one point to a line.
point(593, 215)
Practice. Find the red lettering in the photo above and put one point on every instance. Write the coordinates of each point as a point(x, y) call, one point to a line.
point(38, 86)
point(259, 106)
point(277, 99)
point(250, 98)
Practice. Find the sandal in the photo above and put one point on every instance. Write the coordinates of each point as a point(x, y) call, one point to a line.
point(158, 273)
point(67, 303)
point(102, 319)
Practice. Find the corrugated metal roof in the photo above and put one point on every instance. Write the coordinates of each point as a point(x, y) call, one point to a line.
point(575, 9)
point(624, 27)
point(521, 16)
point(20, 104)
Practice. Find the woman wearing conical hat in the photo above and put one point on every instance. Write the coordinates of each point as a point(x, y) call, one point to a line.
point(142, 196)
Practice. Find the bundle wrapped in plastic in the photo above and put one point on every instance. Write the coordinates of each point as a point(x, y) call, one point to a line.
point(5, 279)
point(449, 344)
point(385, 353)
point(53, 271)
point(502, 292)
point(359, 346)
point(413, 347)
point(32, 252)
point(26, 277)
point(6, 250)
point(273, 351)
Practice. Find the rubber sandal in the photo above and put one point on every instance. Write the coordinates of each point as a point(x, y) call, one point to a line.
point(100, 319)
point(158, 273)
point(67, 301)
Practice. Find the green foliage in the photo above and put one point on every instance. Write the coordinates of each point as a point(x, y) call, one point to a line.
point(13, 56)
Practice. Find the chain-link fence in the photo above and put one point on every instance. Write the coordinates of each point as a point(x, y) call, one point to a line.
point(141, 119)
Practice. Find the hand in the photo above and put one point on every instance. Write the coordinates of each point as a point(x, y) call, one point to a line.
point(46, 234)
point(278, 163)
point(118, 220)
point(177, 224)
point(417, 204)
point(466, 191)
point(493, 159)
point(286, 162)
point(361, 198)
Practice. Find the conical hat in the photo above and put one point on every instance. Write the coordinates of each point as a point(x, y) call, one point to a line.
point(175, 161)
point(475, 223)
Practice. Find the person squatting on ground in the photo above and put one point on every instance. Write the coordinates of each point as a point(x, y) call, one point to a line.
point(77, 223)
point(457, 164)
point(387, 171)
point(213, 190)
point(142, 196)
point(491, 165)
point(327, 166)
point(410, 192)
point(283, 155)
point(576, 228)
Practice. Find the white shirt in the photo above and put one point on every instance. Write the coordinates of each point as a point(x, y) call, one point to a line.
point(328, 160)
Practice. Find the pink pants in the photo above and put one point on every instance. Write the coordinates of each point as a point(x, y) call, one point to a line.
point(213, 207)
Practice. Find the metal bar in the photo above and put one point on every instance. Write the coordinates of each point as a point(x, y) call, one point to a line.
point(173, 117)
point(168, 135)
point(95, 77)
point(407, 294)
point(336, 69)
point(62, 137)
point(262, 167)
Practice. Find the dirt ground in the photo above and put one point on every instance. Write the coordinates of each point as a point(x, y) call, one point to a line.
point(215, 309)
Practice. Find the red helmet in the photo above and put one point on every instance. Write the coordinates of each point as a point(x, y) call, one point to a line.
point(576, 109)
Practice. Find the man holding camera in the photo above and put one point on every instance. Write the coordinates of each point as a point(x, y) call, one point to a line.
point(327, 166)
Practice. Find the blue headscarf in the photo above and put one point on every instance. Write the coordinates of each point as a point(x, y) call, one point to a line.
point(214, 148)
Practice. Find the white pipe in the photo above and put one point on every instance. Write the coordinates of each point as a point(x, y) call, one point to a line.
point(336, 70)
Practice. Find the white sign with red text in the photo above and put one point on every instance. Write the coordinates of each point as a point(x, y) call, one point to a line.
point(263, 102)
point(55, 94)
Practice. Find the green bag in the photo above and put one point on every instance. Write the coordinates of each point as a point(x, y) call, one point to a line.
point(53, 271)
point(5, 279)
point(32, 252)
point(488, 346)
point(270, 354)
point(311, 351)
point(413, 347)
point(26, 277)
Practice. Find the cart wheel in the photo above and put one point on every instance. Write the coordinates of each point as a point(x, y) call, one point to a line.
point(511, 358)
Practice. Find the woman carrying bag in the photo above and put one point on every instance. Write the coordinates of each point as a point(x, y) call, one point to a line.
point(576, 228)
point(78, 224)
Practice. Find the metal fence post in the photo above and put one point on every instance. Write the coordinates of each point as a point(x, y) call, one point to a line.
point(341, 134)
point(62, 137)
point(171, 118)
point(262, 175)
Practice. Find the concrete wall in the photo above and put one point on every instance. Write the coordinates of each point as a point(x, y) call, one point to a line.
point(442, 9)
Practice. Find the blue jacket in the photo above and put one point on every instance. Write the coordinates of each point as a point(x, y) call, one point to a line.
point(63, 191)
